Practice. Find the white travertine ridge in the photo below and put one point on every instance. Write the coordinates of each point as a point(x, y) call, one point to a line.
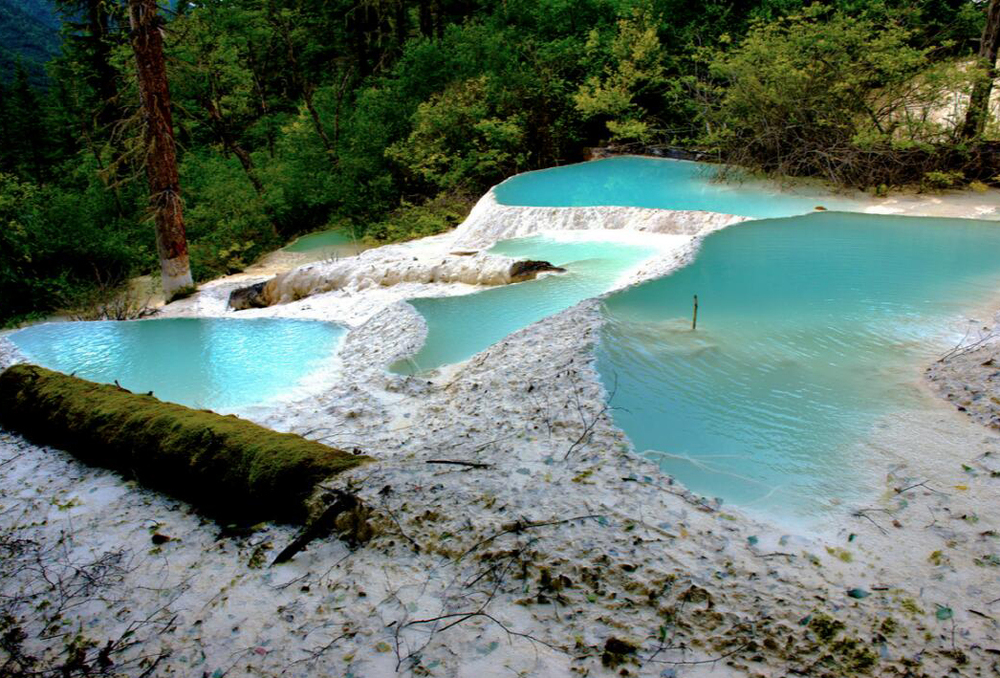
point(491, 221)
point(376, 268)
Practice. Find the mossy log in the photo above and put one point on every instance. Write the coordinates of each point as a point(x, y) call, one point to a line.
point(232, 469)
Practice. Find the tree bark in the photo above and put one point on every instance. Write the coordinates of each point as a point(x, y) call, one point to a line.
point(161, 153)
point(979, 103)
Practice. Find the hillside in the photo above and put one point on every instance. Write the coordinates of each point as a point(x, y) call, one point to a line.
point(29, 31)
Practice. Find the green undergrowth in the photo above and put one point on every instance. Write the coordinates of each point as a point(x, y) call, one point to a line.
point(409, 222)
point(231, 469)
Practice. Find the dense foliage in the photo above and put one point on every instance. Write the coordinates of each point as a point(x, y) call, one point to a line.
point(391, 116)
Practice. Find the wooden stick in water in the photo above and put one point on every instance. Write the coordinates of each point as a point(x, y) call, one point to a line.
point(694, 318)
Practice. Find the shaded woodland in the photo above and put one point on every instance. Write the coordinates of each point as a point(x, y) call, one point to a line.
point(391, 117)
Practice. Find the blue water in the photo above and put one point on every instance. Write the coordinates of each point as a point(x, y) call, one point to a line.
point(460, 327)
point(667, 184)
point(206, 363)
point(809, 330)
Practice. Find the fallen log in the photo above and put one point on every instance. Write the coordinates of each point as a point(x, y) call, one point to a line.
point(232, 469)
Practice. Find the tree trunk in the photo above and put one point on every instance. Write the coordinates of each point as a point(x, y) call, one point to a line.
point(400, 25)
point(979, 103)
point(439, 20)
point(161, 154)
point(426, 19)
point(263, 107)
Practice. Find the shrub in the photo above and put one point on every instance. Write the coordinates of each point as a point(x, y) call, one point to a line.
point(462, 140)
point(826, 94)
point(228, 225)
point(941, 180)
point(57, 245)
point(417, 221)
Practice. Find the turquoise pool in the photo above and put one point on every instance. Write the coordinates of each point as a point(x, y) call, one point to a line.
point(460, 327)
point(218, 364)
point(809, 329)
point(667, 184)
point(324, 244)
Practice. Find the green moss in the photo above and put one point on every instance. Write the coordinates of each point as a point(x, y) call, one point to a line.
point(854, 654)
point(938, 558)
point(826, 627)
point(232, 469)
point(842, 554)
point(888, 627)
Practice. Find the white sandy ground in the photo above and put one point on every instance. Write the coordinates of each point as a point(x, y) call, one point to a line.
point(527, 567)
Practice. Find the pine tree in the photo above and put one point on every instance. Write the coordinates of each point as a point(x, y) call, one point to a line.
point(26, 138)
point(92, 29)
point(161, 153)
point(6, 164)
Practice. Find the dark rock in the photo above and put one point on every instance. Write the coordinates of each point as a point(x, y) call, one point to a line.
point(248, 297)
point(530, 268)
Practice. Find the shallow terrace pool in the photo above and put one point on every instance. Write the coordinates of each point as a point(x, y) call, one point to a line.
point(460, 327)
point(809, 330)
point(325, 244)
point(200, 362)
point(667, 184)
